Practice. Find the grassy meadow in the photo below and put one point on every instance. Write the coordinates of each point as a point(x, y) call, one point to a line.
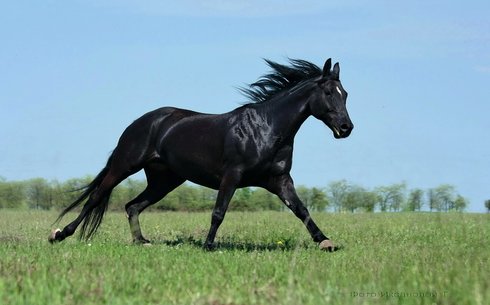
point(261, 258)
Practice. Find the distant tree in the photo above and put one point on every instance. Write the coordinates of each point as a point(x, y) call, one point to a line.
point(188, 198)
point(11, 194)
point(304, 193)
point(265, 200)
point(460, 203)
point(391, 197)
point(432, 200)
point(446, 194)
point(444, 198)
point(352, 199)
point(125, 192)
point(207, 197)
point(369, 200)
point(69, 190)
point(319, 201)
point(242, 200)
point(169, 202)
point(415, 200)
point(39, 194)
point(57, 199)
point(358, 198)
point(313, 198)
point(487, 205)
point(336, 192)
point(133, 188)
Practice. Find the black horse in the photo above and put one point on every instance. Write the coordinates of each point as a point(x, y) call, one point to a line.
point(249, 146)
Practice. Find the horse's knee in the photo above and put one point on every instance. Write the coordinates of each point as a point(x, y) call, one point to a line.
point(217, 217)
point(299, 210)
point(132, 210)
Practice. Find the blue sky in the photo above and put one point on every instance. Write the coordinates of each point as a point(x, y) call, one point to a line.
point(74, 74)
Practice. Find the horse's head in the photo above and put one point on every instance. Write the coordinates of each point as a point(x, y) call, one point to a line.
point(327, 103)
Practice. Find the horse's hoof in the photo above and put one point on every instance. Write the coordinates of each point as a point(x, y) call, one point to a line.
point(52, 236)
point(142, 241)
point(327, 245)
point(209, 247)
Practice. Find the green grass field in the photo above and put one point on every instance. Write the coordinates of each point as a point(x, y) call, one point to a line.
point(261, 258)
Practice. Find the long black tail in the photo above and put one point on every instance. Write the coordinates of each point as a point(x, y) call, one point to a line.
point(94, 216)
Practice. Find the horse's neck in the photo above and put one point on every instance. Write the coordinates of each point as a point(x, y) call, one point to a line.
point(287, 114)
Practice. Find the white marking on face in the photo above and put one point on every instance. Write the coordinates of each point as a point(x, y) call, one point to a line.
point(338, 90)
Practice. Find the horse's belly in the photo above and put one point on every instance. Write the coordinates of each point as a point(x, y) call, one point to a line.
point(202, 171)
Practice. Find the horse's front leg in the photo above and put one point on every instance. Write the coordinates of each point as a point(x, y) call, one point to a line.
point(227, 188)
point(283, 187)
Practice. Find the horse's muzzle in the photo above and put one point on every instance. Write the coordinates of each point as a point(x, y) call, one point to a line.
point(343, 130)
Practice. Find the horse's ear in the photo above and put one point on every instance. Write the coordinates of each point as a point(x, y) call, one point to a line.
point(336, 71)
point(326, 67)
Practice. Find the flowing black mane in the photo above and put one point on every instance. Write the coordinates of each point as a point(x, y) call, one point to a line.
point(281, 78)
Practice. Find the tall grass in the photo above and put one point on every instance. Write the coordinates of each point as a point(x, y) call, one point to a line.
point(261, 258)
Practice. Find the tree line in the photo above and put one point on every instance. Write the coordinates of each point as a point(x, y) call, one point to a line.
point(337, 196)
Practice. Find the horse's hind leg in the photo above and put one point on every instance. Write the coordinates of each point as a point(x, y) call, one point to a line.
point(99, 196)
point(161, 181)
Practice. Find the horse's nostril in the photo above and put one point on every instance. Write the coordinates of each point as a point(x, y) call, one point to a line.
point(344, 127)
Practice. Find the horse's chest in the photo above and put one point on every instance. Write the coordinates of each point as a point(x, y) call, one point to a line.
point(273, 163)
point(282, 161)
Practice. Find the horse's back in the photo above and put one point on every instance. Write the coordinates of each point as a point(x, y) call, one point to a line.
point(138, 143)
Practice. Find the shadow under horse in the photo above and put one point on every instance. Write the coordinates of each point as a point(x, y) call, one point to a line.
point(249, 146)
